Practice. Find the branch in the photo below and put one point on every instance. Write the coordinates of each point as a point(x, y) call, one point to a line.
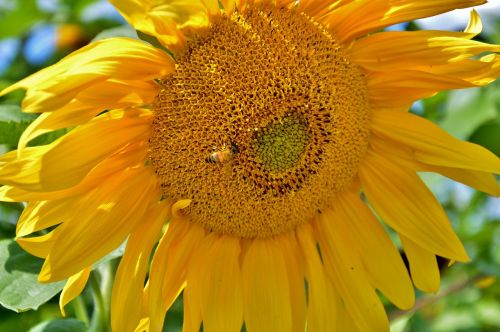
point(431, 299)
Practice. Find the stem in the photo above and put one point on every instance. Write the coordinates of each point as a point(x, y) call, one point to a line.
point(428, 300)
point(80, 310)
point(108, 278)
point(99, 318)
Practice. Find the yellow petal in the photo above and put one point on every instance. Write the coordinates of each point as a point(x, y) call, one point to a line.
point(41, 215)
point(344, 321)
point(485, 182)
point(423, 266)
point(229, 6)
point(380, 257)
point(318, 8)
point(222, 303)
point(406, 204)
point(476, 72)
point(322, 308)
point(398, 50)
point(192, 313)
point(296, 273)
point(180, 205)
point(400, 89)
point(475, 25)
point(214, 281)
point(144, 308)
point(431, 144)
point(485, 282)
point(169, 268)
point(73, 287)
point(143, 325)
point(65, 162)
point(404, 155)
point(164, 19)
point(157, 307)
point(284, 3)
point(120, 58)
point(132, 155)
point(39, 246)
point(266, 291)
point(105, 218)
point(361, 17)
point(212, 6)
point(344, 268)
point(186, 248)
point(103, 95)
point(134, 265)
point(196, 288)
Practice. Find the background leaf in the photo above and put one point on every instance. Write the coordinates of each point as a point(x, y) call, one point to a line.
point(468, 109)
point(61, 325)
point(121, 31)
point(12, 123)
point(13, 113)
point(18, 18)
point(488, 135)
point(19, 287)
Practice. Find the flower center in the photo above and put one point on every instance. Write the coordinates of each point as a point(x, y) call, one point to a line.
point(278, 146)
point(264, 120)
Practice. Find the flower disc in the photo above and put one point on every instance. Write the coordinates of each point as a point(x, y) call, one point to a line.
point(263, 121)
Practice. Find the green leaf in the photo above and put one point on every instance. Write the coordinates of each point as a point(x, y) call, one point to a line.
point(467, 109)
point(417, 323)
point(12, 123)
point(486, 266)
point(19, 18)
point(487, 136)
point(9, 212)
point(13, 113)
point(19, 287)
point(433, 106)
point(11, 131)
point(60, 325)
point(77, 6)
point(121, 31)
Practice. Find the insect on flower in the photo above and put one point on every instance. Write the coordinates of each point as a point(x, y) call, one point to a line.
point(222, 155)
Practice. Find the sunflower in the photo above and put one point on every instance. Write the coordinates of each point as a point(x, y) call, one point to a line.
point(246, 139)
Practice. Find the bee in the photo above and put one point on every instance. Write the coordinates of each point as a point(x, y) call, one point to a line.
point(226, 153)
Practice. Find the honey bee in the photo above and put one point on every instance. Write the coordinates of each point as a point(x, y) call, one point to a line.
point(226, 153)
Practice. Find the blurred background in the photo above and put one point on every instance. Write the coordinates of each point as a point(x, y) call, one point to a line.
point(37, 33)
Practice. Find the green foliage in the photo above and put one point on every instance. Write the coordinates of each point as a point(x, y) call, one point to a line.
point(13, 113)
point(121, 31)
point(468, 114)
point(468, 109)
point(61, 325)
point(9, 214)
point(487, 136)
point(18, 18)
point(11, 131)
point(19, 286)
point(13, 122)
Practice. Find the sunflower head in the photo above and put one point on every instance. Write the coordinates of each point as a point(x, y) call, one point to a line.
point(274, 95)
point(273, 137)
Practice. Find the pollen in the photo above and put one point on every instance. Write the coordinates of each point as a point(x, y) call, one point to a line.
point(273, 101)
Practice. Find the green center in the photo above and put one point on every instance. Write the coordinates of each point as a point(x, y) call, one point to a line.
point(280, 144)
